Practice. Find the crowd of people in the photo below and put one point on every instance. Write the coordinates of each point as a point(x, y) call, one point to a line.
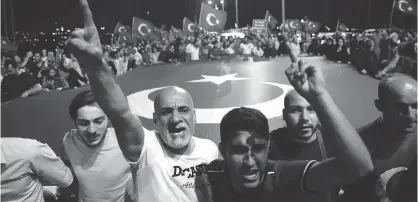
point(317, 156)
point(375, 54)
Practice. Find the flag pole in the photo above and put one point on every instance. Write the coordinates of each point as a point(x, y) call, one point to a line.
point(236, 13)
point(283, 12)
point(12, 17)
point(391, 15)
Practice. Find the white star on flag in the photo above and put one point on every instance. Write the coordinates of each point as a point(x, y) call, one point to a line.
point(217, 21)
point(410, 8)
point(218, 80)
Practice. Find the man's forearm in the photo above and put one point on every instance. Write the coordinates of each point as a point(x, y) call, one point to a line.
point(348, 147)
point(108, 94)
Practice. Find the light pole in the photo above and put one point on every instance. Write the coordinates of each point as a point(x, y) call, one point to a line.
point(283, 12)
point(223, 5)
point(236, 13)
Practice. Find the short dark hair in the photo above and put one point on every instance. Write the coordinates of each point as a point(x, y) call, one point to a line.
point(243, 119)
point(82, 99)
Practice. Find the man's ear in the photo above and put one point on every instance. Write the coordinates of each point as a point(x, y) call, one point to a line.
point(378, 104)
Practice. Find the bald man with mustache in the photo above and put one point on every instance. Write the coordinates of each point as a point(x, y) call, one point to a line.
point(391, 140)
point(166, 163)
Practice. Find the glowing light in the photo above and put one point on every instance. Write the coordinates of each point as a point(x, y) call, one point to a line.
point(209, 2)
point(222, 1)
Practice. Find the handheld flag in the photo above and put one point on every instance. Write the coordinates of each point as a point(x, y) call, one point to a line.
point(294, 25)
point(141, 28)
point(272, 21)
point(311, 26)
point(188, 27)
point(212, 19)
point(407, 7)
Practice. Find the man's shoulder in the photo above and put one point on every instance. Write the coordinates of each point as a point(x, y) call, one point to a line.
point(370, 129)
point(207, 147)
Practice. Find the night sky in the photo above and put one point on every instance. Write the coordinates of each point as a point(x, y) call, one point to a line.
point(40, 15)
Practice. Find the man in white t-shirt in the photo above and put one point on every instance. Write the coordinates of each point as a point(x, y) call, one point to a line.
point(193, 50)
point(94, 154)
point(246, 47)
point(165, 163)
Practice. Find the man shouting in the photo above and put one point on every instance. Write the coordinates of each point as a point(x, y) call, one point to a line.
point(164, 162)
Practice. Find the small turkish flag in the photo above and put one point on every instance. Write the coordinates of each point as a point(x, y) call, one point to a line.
point(141, 28)
point(212, 19)
point(407, 6)
point(189, 27)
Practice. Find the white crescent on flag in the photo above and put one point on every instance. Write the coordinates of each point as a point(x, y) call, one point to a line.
point(292, 24)
point(190, 27)
point(311, 25)
point(208, 20)
point(140, 29)
point(404, 4)
point(122, 29)
point(142, 106)
point(269, 18)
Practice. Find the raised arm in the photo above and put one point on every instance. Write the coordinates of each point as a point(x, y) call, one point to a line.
point(352, 159)
point(86, 46)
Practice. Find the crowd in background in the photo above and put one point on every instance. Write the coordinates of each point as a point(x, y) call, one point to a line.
point(375, 54)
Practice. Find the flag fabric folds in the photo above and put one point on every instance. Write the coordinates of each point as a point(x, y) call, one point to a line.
point(342, 27)
point(311, 26)
point(272, 21)
point(407, 7)
point(189, 27)
point(211, 19)
point(294, 24)
point(141, 29)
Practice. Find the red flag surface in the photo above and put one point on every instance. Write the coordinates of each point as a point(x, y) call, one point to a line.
point(407, 6)
point(188, 27)
point(212, 19)
point(294, 25)
point(272, 21)
point(141, 28)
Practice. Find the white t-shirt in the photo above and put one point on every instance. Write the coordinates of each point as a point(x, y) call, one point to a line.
point(246, 48)
point(193, 51)
point(159, 177)
point(102, 172)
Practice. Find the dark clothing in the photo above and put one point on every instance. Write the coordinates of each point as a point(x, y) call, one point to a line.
point(204, 53)
point(341, 55)
point(406, 191)
point(13, 86)
point(216, 52)
point(289, 174)
point(282, 147)
point(74, 76)
point(384, 49)
point(391, 157)
point(270, 51)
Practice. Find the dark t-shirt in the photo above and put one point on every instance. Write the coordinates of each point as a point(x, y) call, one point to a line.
point(391, 157)
point(204, 53)
point(285, 177)
point(13, 86)
point(282, 147)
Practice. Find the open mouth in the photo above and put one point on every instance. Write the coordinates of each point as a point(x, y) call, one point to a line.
point(251, 175)
point(176, 131)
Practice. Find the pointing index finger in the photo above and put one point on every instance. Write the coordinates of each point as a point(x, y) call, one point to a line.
point(86, 12)
point(293, 57)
